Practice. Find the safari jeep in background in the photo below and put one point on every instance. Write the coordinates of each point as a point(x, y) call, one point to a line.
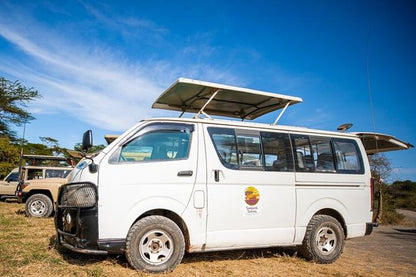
point(171, 185)
point(33, 170)
point(40, 183)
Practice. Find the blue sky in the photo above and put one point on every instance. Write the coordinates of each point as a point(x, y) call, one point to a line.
point(100, 64)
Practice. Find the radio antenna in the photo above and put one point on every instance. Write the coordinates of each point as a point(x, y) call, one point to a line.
point(370, 94)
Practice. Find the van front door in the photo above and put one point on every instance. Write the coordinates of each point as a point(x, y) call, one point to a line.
point(250, 184)
point(154, 170)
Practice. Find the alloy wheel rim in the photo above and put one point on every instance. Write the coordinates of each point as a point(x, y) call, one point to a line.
point(326, 240)
point(156, 247)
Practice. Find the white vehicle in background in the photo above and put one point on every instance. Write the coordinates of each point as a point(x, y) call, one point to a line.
point(171, 185)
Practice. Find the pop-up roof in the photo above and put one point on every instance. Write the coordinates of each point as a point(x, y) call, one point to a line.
point(375, 143)
point(186, 95)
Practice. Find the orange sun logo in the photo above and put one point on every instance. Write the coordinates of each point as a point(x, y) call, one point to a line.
point(252, 196)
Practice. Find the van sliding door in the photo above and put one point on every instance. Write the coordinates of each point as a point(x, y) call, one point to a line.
point(250, 184)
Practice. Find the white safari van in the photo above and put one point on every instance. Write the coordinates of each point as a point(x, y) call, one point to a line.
point(167, 186)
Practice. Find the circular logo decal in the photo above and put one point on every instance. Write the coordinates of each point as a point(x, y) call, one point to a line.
point(252, 196)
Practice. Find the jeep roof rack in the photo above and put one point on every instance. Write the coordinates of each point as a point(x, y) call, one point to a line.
point(205, 98)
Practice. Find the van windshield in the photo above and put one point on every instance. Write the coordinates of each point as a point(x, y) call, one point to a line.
point(12, 177)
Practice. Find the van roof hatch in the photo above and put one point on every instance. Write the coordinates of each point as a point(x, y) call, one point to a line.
point(206, 98)
point(376, 143)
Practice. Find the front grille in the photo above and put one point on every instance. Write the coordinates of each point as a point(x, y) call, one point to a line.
point(81, 195)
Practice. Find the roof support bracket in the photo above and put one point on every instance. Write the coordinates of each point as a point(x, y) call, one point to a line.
point(201, 111)
point(281, 113)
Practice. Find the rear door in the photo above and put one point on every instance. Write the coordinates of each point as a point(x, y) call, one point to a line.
point(377, 143)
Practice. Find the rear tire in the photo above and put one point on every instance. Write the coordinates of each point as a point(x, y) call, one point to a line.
point(155, 244)
point(324, 240)
point(38, 205)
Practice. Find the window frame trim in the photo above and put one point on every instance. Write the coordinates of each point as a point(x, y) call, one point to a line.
point(168, 126)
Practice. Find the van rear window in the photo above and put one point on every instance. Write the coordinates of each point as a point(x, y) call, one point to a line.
point(326, 155)
point(348, 157)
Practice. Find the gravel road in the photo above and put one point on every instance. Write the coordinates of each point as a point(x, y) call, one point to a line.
point(391, 249)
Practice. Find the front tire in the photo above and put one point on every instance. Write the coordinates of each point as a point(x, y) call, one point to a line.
point(155, 244)
point(38, 205)
point(324, 240)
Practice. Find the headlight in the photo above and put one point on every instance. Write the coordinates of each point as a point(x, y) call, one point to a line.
point(82, 195)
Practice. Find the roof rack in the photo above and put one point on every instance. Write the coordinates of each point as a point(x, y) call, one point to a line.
point(205, 98)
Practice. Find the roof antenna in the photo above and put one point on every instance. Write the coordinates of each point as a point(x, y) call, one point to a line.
point(369, 87)
point(344, 127)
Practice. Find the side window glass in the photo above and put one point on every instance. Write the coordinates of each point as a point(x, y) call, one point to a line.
point(303, 153)
point(348, 159)
point(56, 173)
point(322, 154)
point(277, 152)
point(224, 141)
point(157, 145)
point(249, 150)
point(12, 177)
point(34, 174)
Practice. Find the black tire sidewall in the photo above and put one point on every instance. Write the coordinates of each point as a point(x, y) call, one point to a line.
point(146, 225)
point(39, 197)
point(333, 224)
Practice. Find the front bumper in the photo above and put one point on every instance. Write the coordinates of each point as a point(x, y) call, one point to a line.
point(77, 229)
point(76, 218)
point(76, 221)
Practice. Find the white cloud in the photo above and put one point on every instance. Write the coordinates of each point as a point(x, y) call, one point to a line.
point(79, 79)
point(114, 93)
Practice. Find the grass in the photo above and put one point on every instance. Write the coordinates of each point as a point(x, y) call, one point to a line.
point(28, 248)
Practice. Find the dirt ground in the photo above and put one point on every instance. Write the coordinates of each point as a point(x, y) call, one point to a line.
point(28, 248)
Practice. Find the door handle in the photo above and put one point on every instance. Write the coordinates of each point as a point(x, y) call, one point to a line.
point(185, 173)
point(216, 175)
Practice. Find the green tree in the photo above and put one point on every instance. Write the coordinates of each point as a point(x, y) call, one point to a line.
point(14, 98)
point(9, 156)
point(93, 149)
point(404, 194)
point(380, 171)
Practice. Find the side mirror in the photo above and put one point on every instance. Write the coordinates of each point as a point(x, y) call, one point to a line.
point(87, 140)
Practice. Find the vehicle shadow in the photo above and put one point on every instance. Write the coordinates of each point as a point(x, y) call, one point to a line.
point(406, 234)
point(120, 259)
point(407, 230)
point(242, 254)
point(85, 259)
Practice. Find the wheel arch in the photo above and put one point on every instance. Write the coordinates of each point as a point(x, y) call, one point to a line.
point(335, 214)
point(172, 216)
point(326, 206)
point(39, 191)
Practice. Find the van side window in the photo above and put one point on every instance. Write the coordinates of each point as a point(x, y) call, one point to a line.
point(277, 152)
point(249, 150)
point(157, 145)
point(348, 157)
point(322, 154)
point(225, 144)
point(303, 153)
